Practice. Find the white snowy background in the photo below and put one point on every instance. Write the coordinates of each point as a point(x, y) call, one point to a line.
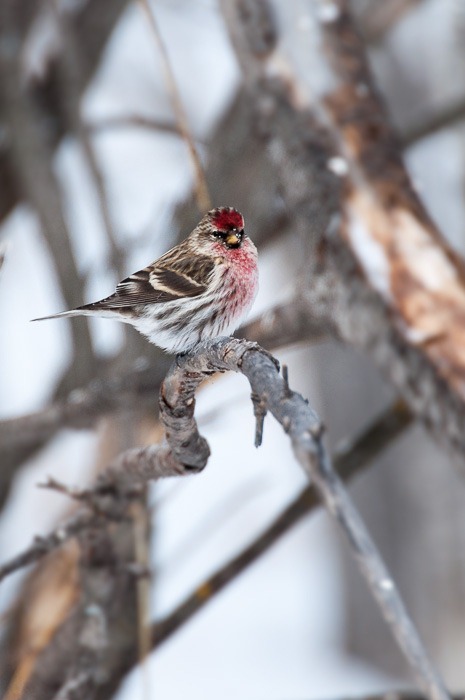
point(277, 631)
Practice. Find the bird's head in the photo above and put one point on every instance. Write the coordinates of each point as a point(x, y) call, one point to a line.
point(225, 225)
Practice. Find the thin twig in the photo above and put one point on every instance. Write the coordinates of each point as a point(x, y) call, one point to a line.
point(201, 188)
point(442, 118)
point(132, 121)
point(380, 18)
point(141, 532)
point(70, 72)
point(83, 520)
point(259, 410)
point(3, 248)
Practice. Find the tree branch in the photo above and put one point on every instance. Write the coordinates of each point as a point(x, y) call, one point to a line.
point(3, 247)
point(44, 545)
point(369, 243)
point(132, 121)
point(379, 19)
point(93, 23)
point(31, 158)
point(69, 74)
point(349, 460)
point(201, 189)
point(442, 118)
point(187, 452)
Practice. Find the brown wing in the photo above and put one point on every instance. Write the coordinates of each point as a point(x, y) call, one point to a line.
point(156, 283)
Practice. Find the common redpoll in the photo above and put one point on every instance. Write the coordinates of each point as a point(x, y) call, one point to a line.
point(200, 289)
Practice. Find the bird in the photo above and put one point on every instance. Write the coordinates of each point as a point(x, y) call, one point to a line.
point(200, 289)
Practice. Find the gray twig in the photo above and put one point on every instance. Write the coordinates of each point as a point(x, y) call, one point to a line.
point(201, 187)
point(83, 520)
point(3, 247)
point(70, 72)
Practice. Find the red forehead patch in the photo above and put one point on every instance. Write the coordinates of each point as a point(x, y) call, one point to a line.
point(227, 219)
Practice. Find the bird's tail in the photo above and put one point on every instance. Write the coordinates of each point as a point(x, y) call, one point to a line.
point(81, 311)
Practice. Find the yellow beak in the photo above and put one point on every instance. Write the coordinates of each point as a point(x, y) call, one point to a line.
point(232, 239)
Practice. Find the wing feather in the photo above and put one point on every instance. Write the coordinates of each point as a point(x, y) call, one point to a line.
point(157, 284)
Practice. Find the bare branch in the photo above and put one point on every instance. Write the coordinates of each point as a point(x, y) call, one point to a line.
point(349, 460)
point(442, 118)
point(3, 248)
point(32, 160)
point(381, 18)
point(93, 22)
point(306, 434)
point(43, 545)
point(70, 71)
point(186, 452)
point(132, 121)
point(201, 188)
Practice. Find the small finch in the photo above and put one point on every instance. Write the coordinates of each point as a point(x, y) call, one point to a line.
point(200, 289)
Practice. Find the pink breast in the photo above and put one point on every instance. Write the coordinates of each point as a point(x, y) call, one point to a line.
point(243, 275)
